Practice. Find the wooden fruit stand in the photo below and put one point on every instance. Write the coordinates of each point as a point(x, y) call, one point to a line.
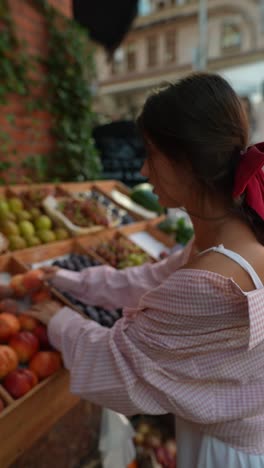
point(24, 420)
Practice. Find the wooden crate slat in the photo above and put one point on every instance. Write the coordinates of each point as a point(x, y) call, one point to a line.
point(27, 419)
point(7, 398)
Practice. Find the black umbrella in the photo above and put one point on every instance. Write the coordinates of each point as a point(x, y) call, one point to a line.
point(107, 21)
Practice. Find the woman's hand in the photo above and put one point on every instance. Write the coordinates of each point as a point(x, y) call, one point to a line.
point(49, 272)
point(45, 311)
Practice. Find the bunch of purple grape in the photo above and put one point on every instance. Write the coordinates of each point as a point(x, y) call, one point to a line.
point(77, 262)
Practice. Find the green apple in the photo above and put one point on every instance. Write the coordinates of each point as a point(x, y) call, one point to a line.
point(33, 241)
point(15, 205)
point(10, 228)
point(16, 243)
point(24, 215)
point(43, 223)
point(10, 217)
point(4, 208)
point(35, 213)
point(46, 236)
point(26, 229)
point(61, 234)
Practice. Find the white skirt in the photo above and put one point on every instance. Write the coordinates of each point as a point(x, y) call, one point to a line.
point(197, 450)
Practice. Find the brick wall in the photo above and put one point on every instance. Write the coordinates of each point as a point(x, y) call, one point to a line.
point(30, 132)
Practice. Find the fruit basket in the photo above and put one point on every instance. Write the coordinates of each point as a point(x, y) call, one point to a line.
point(79, 216)
point(30, 401)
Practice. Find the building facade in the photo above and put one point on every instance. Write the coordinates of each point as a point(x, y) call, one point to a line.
point(162, 46)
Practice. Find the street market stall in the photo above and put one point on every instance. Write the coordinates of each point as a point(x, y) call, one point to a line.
point(130, 241)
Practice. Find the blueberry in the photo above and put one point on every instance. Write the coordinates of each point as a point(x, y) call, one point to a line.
point(120, 312)
point(71, 265)
point(114, 314)
point(92, 313)
point(115, 211)
point(70, 298)
point(105, 201)
point(82, 306)
point(127, 219)
point(107, 321)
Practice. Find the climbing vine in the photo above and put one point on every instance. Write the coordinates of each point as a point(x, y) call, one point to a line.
point(13, 77)
point(69, 71)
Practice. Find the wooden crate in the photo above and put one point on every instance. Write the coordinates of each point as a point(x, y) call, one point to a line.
point(24, 420)
point(89, 243)
point(44, 252)
point(151, 228)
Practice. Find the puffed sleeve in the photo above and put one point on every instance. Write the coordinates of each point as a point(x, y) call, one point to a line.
point(165, 356)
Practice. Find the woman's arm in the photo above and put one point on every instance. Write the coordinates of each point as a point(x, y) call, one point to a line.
point(110, 288)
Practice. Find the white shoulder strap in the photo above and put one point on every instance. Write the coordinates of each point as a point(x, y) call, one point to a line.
point(241, 261)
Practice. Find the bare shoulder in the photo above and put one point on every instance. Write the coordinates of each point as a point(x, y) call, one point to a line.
point(216, 262)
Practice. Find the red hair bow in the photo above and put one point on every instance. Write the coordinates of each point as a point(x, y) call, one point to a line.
point(249, 178)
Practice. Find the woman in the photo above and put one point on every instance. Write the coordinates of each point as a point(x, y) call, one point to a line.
point(191, 341)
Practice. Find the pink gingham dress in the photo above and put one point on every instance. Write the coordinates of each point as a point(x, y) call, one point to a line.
point(191, 343)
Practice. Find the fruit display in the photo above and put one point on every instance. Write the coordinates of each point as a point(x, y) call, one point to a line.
point(113, 210)
point(120, 252)
point(26, 356)
point(77, 262)
point(155, 441)
point(26, 227)
point(180, 229)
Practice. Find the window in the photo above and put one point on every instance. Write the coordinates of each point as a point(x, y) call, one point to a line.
point(170, 47)
point(231, 36)
point(131, 58)
point(118, 61)
point(144, 7)
point(152, 50)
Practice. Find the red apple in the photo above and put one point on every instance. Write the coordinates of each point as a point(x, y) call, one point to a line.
point(9, 325)
point(41, 333)
point(41, 296)
point(19, 382)
point(33, 280)
point(45, 363)
point(27, 322)
point(8, 360)
point(9, 305)
point(16, 284)
point(25, 344)
point(2, 405)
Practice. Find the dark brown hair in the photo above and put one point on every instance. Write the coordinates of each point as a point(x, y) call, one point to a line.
point(201, 120)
